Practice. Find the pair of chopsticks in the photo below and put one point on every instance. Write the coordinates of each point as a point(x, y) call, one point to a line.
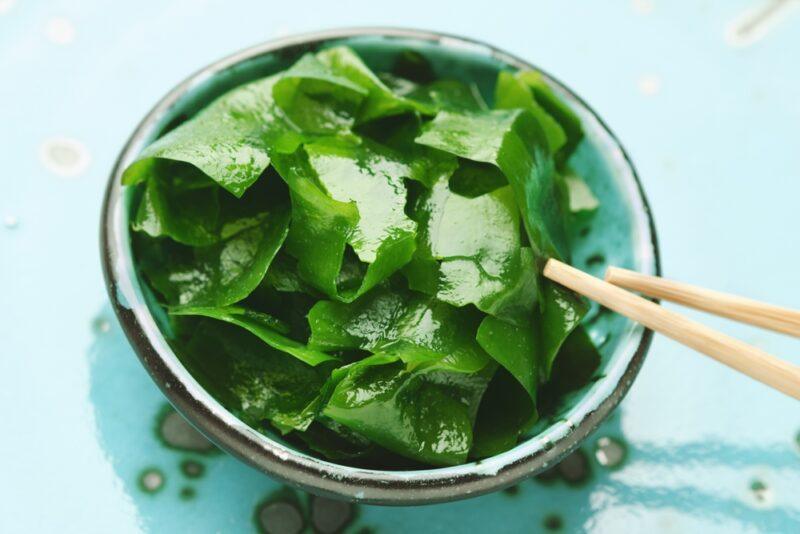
point(747, 359)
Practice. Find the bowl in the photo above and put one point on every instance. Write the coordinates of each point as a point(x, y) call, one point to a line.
point(621, 233)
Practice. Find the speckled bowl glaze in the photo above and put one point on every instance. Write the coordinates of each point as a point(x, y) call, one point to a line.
point(621, 233)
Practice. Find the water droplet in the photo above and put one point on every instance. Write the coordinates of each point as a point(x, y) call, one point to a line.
point(281, 31)
point(643, 7)
point(553, 522)
point(187, 493)
point(595, 259)
point(6, 5)
point(177, 433)
point(60, 31)
point(575, 468)
point(610, 452)
point(649, 84)
point(64, 156)
point(192, 468)
point(329, 516)
point(280, 517)
point(10, 222)
point(761, 493)
point(151, 480)
point(100, 325)
point(600, 338)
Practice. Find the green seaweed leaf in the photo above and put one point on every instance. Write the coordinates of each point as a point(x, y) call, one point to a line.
point(250, 378)
point(346, 195)
point(514, 142)
point(527, 353)
point(560, 314)
point(578, 360)
point(230, 140)
point(505, 412)
point(413, 66)
point(282, 276)
point(179, 202)
point(396, 321)
point(380, 100)
point(337, 442)
point(449, 95)
point(469, 252)
point(427, 165)
point(511, 93)
point(528, 350)
point(219, 274)
point(547, 98)
point(472, 179)
point(316, 99)
point(420, 412)
point(270, 330)
point(515, 348)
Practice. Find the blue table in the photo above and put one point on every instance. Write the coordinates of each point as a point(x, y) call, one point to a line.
point(703, 94)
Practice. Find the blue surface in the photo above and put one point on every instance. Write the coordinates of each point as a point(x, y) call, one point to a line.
point(711, 127)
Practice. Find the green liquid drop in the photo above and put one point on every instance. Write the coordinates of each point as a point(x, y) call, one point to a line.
point(176, 433)
point(280, 517)
point(610, 452)
point(192, 468)
point(575, 469)
point(553, 522)
point(151, 480)
point(329, 516)
point(595, 259)
point(100, 325)
point(761, 492)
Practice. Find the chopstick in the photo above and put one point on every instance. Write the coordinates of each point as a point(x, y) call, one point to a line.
point(749, 360)
point(733, 307)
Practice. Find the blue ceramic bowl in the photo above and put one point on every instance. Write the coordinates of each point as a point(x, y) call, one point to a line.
point(621, 233)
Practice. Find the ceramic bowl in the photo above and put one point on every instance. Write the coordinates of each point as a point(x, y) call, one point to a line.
point(621, 233)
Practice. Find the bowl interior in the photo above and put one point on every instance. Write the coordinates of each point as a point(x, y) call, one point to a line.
point(620, 233)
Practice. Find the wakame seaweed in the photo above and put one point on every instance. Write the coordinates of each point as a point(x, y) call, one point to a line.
point(352, 259)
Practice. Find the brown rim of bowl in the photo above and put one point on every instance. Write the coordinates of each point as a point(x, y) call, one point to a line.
point(318, 476)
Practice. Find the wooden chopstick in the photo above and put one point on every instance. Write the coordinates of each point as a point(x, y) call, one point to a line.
point(745, 358)
point(740, 309)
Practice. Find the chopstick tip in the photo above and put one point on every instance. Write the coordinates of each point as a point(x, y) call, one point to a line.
point(550, 266)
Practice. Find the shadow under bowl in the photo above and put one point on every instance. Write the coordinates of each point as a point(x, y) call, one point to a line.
point(620, 233)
